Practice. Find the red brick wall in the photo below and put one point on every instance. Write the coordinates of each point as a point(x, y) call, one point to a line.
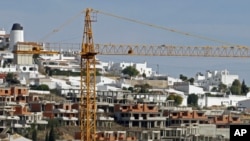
point(36, 107)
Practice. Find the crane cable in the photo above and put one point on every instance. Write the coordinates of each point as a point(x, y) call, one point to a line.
point(135, 21)
point(67, 22)
point(164, 28)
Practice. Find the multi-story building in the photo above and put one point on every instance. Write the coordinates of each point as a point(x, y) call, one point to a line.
point(142, 115)
point(66, 112)
point(214, 78)
point(117, 68)
point(224, 121)
point(15, 110)
point(4, 39)
point(201, 132)
point(186, 117)
point(187, 88)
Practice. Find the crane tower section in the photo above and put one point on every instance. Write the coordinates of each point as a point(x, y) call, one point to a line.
point(87, 104)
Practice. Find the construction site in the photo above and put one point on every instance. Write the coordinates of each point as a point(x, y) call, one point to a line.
point(83, 112)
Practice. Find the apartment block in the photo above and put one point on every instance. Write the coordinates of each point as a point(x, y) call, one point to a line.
point(64, 112)
point(139, 115)
point(224, 121)
point(187, 117)
point(15, 110)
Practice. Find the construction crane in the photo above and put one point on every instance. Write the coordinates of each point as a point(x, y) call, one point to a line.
point(89, 50)
point(87, 86)
point(34, 48)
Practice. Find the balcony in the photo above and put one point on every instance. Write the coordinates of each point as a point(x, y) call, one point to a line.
point(156, 118)
point(69, 118)
point(128, 118)
point(13, 118)
point(105, 118)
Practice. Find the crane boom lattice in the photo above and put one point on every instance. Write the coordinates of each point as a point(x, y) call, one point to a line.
point(160, 50)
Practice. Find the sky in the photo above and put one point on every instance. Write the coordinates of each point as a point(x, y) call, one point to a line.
point(225, 20)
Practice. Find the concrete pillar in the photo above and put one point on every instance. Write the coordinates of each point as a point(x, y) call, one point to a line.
point(162, 124)
point(130, 124)
point(159, 135)
point(139, 124)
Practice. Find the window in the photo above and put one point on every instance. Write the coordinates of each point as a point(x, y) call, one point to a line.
point(24, 68)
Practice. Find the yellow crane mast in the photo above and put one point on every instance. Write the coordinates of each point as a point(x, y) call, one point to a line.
point(87, 104)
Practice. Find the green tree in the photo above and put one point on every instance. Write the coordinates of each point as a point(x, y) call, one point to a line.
point(131, 71)
point(47, 136)
point(53, 123)
point(236, 87)
point(244, 88)
point(48, 71)
point(143, 88)
point(183, 78)
point(222, 88)
point(177, 99)
point(214, 89)
point(131, 89)
point(52, 134)
point(43, 87)
point(191, 80)
point(35, 56)
point(192, 100)
point(34, 135)
point(124, 88)
point(11, 79)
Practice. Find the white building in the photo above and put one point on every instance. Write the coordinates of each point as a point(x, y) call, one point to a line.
point(187, 88)
point(4, 39)
point(244, 104)
point(141, 67)
point(230, 100)
point(214, 78)
point(172, 80)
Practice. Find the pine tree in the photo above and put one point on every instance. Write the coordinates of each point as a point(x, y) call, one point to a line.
point(34, 135)
point(47, 136)
point(244, 88)
point(52, 134)
point(236, 87)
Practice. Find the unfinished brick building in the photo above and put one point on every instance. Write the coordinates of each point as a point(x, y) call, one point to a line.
point(139, 115)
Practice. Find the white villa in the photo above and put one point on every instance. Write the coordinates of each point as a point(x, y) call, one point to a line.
point(141, 67)
point(214, 78)
point(229, 100)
